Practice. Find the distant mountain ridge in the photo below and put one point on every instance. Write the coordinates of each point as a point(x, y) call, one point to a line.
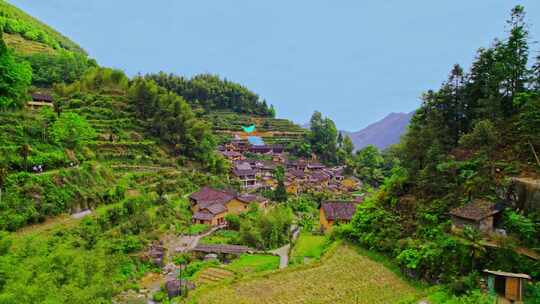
point(382, 133)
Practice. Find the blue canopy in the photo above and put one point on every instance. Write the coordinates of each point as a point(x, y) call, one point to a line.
point(249, 129)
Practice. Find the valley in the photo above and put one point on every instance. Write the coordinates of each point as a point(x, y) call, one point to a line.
point(162, 188)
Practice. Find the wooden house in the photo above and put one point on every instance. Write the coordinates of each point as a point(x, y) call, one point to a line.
point(291, 187)
point(332, 212)
point(314, 166)
point(232, 155)
point(211, 206)
point(480, 214)
point(350, 183)
point(40, 100)
point(506, 284)
point(278, 149)
point(250, 199)
point(260, 149)
point(247, 177)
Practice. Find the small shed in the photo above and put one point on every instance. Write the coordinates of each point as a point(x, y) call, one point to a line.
point(506, 284)
point(332, 212)
point(40, 100)
point(480, 214)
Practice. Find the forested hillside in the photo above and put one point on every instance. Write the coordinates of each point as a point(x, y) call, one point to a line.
point(16, 22)
point(210, 92)
point(467, 140)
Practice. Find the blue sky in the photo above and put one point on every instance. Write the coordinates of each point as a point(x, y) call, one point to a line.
point(355, 61)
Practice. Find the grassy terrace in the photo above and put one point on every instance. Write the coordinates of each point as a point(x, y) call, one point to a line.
point(342, 276)
point(224, 120)
point(308, 246)
point(248, 263)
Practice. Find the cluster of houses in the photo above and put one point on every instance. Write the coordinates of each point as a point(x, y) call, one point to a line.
point(210, 206)
point(301, 175)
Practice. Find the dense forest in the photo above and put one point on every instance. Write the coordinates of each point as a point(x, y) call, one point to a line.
point(210, 92)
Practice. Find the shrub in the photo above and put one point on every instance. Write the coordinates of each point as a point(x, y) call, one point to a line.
point(520, 225)
point(72, 130)
point(233, 221)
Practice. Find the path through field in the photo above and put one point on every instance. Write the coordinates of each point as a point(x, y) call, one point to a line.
point(344, 277)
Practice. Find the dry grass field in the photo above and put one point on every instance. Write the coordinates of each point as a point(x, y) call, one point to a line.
point(344, 276)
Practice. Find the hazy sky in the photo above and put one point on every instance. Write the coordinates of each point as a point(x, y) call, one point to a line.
point(355, 61)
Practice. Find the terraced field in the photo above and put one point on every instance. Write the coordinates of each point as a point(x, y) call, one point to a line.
point(212, 275)
point(344, 276)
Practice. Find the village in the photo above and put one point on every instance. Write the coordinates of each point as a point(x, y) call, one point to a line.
point(254, 167)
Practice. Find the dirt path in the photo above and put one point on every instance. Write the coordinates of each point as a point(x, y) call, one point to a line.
point(284, 251)
point(185, 243)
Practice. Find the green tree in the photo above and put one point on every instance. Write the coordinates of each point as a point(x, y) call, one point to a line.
point(368, 164)
point(144, 95)
point(323, 137)
point(476, 248)
point(72, 130)
point(24, 153)
point(15, 78)
point(484, 136)
point(280, 193)
point(345, 151)
point(3, 177)
point(514, 57)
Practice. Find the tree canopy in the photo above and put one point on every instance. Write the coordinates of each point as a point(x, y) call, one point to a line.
point(210, 92)
point(15, 77)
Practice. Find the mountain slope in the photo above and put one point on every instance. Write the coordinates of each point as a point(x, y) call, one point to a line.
point(382, 133)
point(26, 34)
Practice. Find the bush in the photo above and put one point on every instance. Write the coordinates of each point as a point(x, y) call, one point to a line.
point(197, 229)
point(233, 221)
point(72, 130)
point(522, 226)
point(266, 230)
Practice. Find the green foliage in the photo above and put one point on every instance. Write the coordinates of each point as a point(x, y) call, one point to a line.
point(61, 67)
point(528, 122)
point(56, 193)
point(306, 210)
point(266, 230)
point(233, 221)
point(15, 21)
point(308, 246)
point(15, 77)
point(440, 260)
point(248, 263)
point(483, 136)
point(523, 227)
point(212, 93)
point(197, 229)
point(231, 237)
point(72, 130)
point(532, 293)
point(376, 228)
point(96, 79)
point(323, 137)
point(194, 267)
point(368, 163)
point(172, 119)
point(473, 297)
